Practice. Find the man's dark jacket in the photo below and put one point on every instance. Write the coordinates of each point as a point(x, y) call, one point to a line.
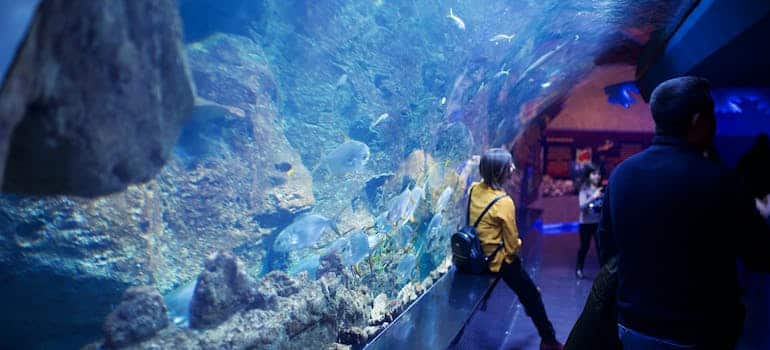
point(678, 223)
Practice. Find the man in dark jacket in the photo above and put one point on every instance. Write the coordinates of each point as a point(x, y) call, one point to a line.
point(678, 223)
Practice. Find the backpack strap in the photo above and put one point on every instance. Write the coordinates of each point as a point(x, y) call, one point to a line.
point(489, 206)
point(502, 239)
point(468, 209)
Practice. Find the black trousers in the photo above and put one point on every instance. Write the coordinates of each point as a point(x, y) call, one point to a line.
point(519, 281)
point(586, 232)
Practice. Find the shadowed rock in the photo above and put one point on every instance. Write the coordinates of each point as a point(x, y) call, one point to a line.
point(95, 99)
point(223, 288)
point(330, 263)
point(66, 250)
point(139, 316)
point(296, 313)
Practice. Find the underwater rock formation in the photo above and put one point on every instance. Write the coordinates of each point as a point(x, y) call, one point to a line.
point(95, 98)
point(226, 185)
point(223, 288)
point(248, 156)
point(76, 257)
point(302, 314)
point(139, 316)
point(330, 263)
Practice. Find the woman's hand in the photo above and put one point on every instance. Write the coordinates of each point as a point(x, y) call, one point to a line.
point(763, 205)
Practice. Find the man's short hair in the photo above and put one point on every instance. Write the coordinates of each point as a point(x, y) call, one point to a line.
point(675, 101)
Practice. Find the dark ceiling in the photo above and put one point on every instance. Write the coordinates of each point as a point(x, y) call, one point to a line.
point(724, 41)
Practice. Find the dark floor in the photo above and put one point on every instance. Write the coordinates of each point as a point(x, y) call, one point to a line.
point(505, 325)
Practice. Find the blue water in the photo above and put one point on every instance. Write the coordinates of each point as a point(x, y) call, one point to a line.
point(15, 16)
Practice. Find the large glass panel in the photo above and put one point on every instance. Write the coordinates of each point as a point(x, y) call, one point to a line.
point(327, 136)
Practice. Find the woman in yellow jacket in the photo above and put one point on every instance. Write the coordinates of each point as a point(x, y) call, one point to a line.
point(499, 226)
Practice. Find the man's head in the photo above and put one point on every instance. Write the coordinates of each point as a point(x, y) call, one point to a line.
point(682, 107)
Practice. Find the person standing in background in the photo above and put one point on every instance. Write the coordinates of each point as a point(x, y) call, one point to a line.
point(590, 200)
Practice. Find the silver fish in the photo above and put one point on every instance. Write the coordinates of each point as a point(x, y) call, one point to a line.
point(346, 158)
point(501, 37)
point(302, 233)
point(443, 199)
point(379, 120)
point(399, 206)
point(458, 21)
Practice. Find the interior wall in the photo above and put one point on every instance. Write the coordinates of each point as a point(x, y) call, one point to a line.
point(587, 107)
point(604, 129)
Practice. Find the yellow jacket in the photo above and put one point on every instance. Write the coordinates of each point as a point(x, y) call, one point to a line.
point(499, 221)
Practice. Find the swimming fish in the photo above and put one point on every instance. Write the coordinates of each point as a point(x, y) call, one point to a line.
point(458, 21)
point(309, 264)
point(359, 248)
point(178, 303)
point(302, 233)
point(379, 120)
point(416, 196)
point(346, 158)
point(399, 206)
point(500, 37)
point(434, 226)
point(351, 249)
point(502, 73)
point(443, 100)
point(403, 236)
point(481, 87)
point(341, 81)
point(545, 57)
point(406, 266)
point(375, 240)
point(545, 85)
point(443, 199)
point(466, 175)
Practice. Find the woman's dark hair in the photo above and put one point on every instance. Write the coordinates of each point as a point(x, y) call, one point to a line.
point(585, 175)
point(495, 167)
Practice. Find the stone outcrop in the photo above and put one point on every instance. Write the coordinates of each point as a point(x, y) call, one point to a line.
point(223, 288)
point(301, 314)
point(139, 316)
point(76, 257)
point(231, 178)
point(95, 98)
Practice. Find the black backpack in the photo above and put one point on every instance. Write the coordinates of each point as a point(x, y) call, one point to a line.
point(466, 246)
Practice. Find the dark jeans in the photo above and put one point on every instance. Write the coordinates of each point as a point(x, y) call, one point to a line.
point(597, 326)
point(586, 232)
point(519, 281)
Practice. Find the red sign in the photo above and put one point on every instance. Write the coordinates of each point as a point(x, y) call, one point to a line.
point(583, 155)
